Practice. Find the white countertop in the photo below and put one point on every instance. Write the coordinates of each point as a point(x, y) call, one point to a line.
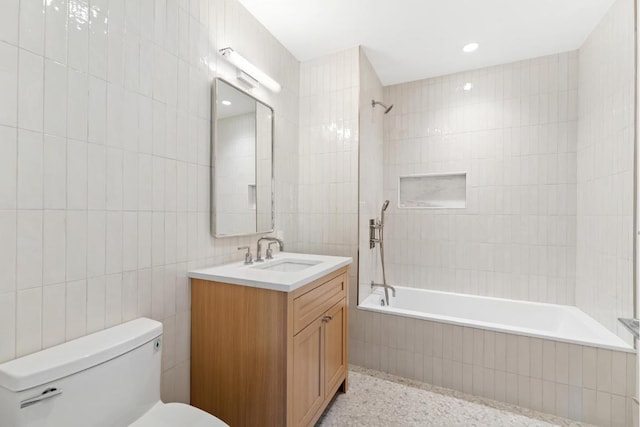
point(256, 276)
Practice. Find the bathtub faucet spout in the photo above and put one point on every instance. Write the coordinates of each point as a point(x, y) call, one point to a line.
point(385, 287)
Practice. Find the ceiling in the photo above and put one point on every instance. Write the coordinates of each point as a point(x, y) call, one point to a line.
point(408, 40)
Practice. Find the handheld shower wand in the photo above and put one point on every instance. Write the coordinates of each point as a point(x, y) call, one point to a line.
point(380, 240)
point(385, 205)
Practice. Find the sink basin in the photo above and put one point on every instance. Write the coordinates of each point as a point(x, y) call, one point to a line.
point(288, 265)
point(286, 272)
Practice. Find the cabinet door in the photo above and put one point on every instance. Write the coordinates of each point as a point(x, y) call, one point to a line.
point(308, 372)
point(335, 346)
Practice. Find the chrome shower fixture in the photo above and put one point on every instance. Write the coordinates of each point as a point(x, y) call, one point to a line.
point(385, 205)
point(387, 108)
point(376, 226)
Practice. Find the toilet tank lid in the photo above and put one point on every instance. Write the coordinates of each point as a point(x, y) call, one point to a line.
point(79, 354)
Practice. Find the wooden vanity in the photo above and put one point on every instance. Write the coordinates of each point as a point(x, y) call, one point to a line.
point(264, 357)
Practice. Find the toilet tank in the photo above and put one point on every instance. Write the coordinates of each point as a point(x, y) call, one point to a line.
point(109, 378)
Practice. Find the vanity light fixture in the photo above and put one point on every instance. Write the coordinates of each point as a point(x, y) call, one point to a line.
point(247, 69)
point(470, 47)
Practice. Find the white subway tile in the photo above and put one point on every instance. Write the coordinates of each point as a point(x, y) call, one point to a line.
point(8, 253)
point(113, 300)
point(32, 26)
point(603, 408)
point(8, 325)
point(76, 245)
point(28, 321)
point(144, 292)
point(619, 411)
point(54, 172)
point(54, 248)
point(54, 315)
point(114, 178)
point(29, 249)
point(30, 91)
point(604, 370)
point(96, 303)
point(8, 165)
point(129, 295)
point(619, 375)
point(97, 111)
point(76, 309)
point(97, 44)
point(78, 35)
point(55, 40)
point(30, 170)
point(55, 95)
point(114, 238)
point(9, 20)
point(77, 101)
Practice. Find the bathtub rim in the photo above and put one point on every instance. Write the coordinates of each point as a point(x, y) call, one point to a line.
point(495, 327)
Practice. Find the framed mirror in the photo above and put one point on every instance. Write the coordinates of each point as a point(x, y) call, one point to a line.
point(242, 163)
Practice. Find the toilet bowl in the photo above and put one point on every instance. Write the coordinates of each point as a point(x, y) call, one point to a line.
point(109, 378)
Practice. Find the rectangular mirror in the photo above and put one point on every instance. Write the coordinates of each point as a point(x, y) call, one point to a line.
point(242, 163)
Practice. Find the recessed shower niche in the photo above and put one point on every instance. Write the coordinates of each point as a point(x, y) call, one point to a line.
point(433, 191)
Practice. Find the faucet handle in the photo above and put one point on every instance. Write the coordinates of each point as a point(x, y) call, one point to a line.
point(270, 251)
point(248, 258)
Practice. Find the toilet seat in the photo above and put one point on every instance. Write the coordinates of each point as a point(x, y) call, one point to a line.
point(177, 415)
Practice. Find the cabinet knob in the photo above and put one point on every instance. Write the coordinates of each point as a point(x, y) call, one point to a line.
point(327, 318)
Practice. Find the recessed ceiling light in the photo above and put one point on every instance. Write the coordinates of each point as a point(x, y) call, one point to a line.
point(470, 47)
point(467, 86)
point(225, 102)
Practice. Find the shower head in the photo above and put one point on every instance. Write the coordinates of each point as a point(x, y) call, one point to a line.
point(387, 108)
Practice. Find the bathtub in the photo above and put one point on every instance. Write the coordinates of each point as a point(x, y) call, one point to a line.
point(547, 321)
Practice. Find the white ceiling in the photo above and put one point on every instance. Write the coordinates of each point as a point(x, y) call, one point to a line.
point(408, 40)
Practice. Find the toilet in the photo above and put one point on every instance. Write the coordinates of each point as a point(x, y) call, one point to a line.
point(109, 378)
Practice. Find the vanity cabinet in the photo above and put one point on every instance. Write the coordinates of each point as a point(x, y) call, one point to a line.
point(266, 357)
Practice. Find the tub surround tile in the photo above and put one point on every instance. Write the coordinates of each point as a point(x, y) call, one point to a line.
point(543, 375)
point(603, 372)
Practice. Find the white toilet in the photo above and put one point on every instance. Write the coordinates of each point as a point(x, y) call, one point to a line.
point(110, 378)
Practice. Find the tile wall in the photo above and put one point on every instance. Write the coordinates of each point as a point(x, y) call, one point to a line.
point(328, 163)
point(606, 106)
point(512, 129)
point(105, 160)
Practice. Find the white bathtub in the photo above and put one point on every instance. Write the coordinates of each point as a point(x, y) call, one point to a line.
point(549, 321)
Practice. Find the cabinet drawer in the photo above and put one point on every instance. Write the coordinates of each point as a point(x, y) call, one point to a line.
point(309, 306)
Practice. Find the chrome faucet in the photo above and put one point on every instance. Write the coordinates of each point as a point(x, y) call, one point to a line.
point(247, 256)
point(269, 250)
point(385, 287)
point(269, 239)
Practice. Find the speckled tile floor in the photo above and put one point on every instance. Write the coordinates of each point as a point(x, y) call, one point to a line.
point(379, 399)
